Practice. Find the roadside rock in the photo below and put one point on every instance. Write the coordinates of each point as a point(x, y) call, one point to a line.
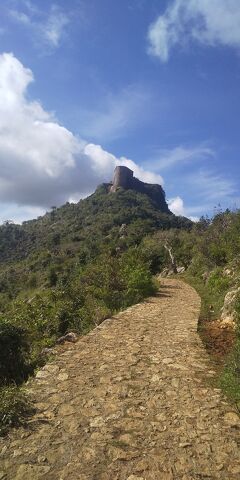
point(228, 315)
point(181, 269)
point(69, 337)
point(232, 419)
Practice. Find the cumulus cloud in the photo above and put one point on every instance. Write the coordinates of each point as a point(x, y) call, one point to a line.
point(41, 162)
point(103, 161)
point(177, 206)
point(205, 22)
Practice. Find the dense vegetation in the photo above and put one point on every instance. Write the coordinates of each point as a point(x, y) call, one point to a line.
point(78, 264)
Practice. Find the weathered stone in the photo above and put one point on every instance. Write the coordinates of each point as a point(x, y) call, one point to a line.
point(62, 376)
point(66, 410)
point(31, 472)
point(42, 374)
point(134, 477)
point(232, 419)
point(234, 469)
point(97, 422)
point(4, 449)
point(229, 315)
point(69, 337)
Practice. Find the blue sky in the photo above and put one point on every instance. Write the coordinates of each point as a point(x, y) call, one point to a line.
point(89, 84)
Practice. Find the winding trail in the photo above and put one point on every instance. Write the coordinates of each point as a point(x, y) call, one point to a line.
point(133, 400)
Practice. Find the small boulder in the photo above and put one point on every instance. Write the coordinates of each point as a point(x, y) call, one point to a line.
point(69, 337)
point(232, 419)
point(228, 315)
point(180, 269)
point(47, 351)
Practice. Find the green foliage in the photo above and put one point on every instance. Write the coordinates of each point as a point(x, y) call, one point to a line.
point(230, 378)
point(83, 297)
point(14, 350)
point(154, 253)
point(217, 282)
point(14, 407)
point(52, 277)
point(136, 277)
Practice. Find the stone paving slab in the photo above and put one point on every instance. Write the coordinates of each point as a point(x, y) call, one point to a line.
point(133, 400)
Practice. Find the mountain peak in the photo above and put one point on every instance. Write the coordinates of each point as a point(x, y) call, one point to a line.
point(124, 178)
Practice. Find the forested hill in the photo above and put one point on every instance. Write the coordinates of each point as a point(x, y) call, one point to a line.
point(86, 226)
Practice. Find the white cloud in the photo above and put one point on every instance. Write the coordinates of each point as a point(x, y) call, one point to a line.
point(165, 159)
point(212, 186)
point(176, 205)
point(54, 28)
point(46, 26)
point(18, 215)
point(41, 162)
point(117, 115)
point(206, 22)
point(20, 17)
point(104, 161)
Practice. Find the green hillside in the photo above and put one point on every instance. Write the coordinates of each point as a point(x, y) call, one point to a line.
point(75, 234)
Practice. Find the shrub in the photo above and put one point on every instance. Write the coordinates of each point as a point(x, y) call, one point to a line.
point(230, 378)
point(14, 406)
point(14, 350)
point(217, 282)
point(136, 276)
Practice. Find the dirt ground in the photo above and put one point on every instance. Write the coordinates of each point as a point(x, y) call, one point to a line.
point(218, 341)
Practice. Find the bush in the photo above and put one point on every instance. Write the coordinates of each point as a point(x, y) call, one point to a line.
point(230, 378)
point(217, 282)
point(14, 406)
point(137, 277)
point(14, 350)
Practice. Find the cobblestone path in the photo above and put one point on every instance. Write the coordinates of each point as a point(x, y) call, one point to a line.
point(133, 400)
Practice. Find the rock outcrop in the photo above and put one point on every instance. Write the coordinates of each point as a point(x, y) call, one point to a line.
point(123, 178)
point(229, 314)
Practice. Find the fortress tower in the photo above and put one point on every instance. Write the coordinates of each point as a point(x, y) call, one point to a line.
point(123, 177)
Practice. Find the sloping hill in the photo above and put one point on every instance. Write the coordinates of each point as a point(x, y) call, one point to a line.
point(77, 234)
point(95, 219)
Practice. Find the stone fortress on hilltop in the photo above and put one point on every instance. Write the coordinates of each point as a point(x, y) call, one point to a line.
point(124, 179)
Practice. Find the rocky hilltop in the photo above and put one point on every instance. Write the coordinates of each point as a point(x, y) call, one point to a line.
point(123, 178)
